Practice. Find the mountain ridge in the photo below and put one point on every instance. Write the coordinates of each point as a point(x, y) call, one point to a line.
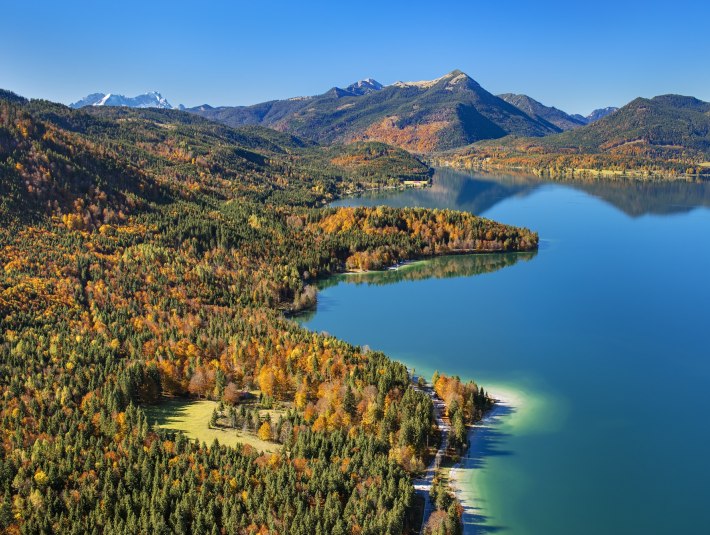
point(557, 117)
point(536, 109)
point(666, 136)
point(107, 142)
point(424, 116)
point(450, 111)
point(664, 120)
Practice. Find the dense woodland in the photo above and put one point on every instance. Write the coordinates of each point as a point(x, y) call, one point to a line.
point(149, 253)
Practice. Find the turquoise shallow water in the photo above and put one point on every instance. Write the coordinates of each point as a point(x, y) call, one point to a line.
point(601, 339)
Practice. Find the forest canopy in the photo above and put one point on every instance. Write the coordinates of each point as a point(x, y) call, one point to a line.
point(152, 253)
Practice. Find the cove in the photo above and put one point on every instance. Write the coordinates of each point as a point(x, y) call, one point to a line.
point(599, 340)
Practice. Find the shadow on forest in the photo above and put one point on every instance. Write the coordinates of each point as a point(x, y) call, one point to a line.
point(168, 412)
point(486, 441)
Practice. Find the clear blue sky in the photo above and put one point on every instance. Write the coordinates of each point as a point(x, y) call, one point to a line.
point(574, 55)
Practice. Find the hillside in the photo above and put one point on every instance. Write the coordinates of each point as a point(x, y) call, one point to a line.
point(668, 135)
point(448, 112)
point(149, 255)
point(113, 152)
point(667, 121)
point(543, 113)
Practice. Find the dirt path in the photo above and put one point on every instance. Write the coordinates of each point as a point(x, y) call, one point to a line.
point(423, 485)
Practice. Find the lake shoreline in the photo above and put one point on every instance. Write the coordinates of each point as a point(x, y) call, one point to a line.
point(577, 173)
point(573, 347)
point(403, 265)
point(473, 518)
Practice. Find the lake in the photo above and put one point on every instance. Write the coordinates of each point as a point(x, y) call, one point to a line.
point(599, 340)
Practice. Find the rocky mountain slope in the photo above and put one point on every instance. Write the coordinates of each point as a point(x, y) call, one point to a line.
point(450, 111)
point(539, 111)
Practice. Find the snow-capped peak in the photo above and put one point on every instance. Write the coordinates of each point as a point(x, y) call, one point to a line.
point(363, 87)
point(424, 84)
point(153, 99)
point(453, 78)
point(102, 102)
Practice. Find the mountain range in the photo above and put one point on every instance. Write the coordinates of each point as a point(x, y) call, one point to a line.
point(535, 109)
point(448, 112)
point(665, 122)
point(560, 119)
point(665, 136)
point(453, 112)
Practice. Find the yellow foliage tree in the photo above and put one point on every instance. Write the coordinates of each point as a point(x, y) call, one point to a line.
point(320, 424)
point(264, 432)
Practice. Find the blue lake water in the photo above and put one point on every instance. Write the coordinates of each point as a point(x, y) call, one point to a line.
point(600, 340)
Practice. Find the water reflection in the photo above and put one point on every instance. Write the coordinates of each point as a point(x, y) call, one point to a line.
point(442, 267)
point(452, 189)
point(637, 197)
point(616, 306)
point(478, 193)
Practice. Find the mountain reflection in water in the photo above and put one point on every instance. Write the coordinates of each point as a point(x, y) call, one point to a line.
point(478, 193)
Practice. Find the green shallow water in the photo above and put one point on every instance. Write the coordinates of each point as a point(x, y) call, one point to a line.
point(599, 340)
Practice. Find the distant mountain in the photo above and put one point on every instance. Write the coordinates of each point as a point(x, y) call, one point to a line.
point(667, 122)
point(666, 136)
point(363, 87)
point(543, 113)
point(146, 100)
point(600, 114)
point(448, 112)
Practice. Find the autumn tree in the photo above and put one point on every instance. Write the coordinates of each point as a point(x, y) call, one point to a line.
point(232, 394)
point(264, 432)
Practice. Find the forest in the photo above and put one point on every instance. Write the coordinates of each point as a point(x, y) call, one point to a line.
point(634, 161)
point(151, 254)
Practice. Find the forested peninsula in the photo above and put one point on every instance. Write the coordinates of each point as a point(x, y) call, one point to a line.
point(150, 255)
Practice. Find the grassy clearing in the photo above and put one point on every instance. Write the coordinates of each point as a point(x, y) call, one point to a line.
point(193, 417)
